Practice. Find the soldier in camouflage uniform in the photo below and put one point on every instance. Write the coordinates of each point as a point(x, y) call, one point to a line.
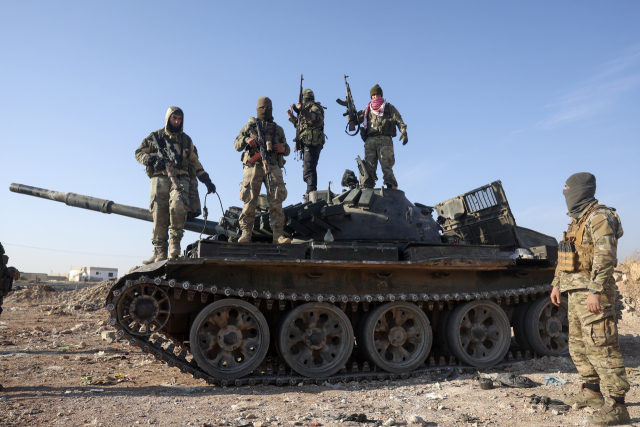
point(586, 260)
point(166, 202)
point(380, 120)
point(7, 276)
point(311, 136)
point(255, 173)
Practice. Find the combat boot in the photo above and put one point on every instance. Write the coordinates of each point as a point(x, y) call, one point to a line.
point(162, 254)
point(586, 397)
point(612, 413)
point(246, 236)
point(153, 257)
point(279, 238)
point(174, 249)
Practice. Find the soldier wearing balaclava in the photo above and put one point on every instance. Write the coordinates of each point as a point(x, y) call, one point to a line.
point(310, 127)
point(258, 170)
point(587, 257)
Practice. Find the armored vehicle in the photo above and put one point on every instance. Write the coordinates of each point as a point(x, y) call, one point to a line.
point(372, 287)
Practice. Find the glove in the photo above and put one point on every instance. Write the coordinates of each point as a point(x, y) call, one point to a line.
point(404, 137)
point(211, 188)
point(151, 160)
point(204, 178)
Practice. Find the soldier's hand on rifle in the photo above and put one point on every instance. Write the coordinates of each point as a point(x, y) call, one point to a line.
point(253, 143)
point(278, 148)
point(299, 106)
point(152, 159)
point(405, 138)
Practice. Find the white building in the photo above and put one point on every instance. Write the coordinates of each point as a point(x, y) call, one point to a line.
point(92, 274)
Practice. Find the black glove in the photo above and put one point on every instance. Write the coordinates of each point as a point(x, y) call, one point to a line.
point(151, 160)
point(204, 178)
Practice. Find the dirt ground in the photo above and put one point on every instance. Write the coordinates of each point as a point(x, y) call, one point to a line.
point(52, 348)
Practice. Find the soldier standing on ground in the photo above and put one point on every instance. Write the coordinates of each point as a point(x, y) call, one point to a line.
point(379, 121)
point(586, 261)
point(169, 205)
point(255, 174)
point(7, 276)
point(311, 136)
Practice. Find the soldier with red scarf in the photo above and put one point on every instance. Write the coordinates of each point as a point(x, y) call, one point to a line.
point(379, 121)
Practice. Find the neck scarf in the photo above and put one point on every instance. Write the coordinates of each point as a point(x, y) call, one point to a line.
point(376, 106)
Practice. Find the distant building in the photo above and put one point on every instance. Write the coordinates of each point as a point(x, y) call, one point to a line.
point(92, 274)
point(36, 277)
point(58, 277)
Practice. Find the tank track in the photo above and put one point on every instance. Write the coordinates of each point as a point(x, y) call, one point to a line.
point(355, 370)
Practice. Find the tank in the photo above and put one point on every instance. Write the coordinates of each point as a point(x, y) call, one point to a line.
point(373, 287)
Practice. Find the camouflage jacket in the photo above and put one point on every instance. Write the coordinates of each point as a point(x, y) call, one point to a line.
point(602, 230)
point(182, 144)
point(385, 124)
point(311, 124)
point(249, 131)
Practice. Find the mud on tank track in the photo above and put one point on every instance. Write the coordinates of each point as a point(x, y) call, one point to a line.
point(274, 370)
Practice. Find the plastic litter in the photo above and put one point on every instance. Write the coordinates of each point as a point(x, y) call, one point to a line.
point(552, 379)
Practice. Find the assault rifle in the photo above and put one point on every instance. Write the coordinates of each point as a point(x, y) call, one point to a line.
point(265, 149)
point(352, 112)
point(165, 160)
point(298, 145)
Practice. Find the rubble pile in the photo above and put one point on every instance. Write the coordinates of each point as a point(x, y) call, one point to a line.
point(93, 296)
point(32, 293)
point(627, 277)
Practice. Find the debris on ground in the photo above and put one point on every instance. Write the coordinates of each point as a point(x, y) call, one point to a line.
point(511, 380)
point(554, 379)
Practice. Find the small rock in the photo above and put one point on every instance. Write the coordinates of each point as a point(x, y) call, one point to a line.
point(415, 419)
point(390, 422)
point(251, 417)
point(81, 357)
point(236, 408)
point(38, 329)
point(108, 336)
point(556, 412)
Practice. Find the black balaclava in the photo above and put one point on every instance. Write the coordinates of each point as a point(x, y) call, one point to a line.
point(581, 192)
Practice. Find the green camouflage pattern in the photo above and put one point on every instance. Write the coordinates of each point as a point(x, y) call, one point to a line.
point(379, 148)
point(603, 229)
point(376, 124)
point(311, 124)
point(168, 209)
point(253, 178)
point(248, 131)
point(593, 342)
point(6, 276)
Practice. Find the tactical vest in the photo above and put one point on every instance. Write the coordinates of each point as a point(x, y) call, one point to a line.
point(573, 255)
point(382, 125)
point(270, 135)
point(310, 135)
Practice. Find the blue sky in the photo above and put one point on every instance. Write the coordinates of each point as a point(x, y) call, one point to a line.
point(525, 93)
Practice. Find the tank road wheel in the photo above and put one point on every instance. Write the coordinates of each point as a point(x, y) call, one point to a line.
point(519, 328)
point(396, 337)
point(315, 339)
point(547, 327)
point(143, 309)
point(229, 338)
point(479, 333)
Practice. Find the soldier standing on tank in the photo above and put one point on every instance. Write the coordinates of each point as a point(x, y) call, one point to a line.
point(380, 120)
point(586, 260)
point(168, 204)
point(7, 276)
point(255, 174)
point(312, 136)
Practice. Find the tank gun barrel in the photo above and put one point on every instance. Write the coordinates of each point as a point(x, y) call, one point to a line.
point(109, 207)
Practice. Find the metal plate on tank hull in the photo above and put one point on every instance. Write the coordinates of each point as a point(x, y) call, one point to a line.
point(344, 251)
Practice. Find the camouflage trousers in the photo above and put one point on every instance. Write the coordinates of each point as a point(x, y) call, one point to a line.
point(253, 178)
point(593, 342)
point(379, 148)
point(169, 210)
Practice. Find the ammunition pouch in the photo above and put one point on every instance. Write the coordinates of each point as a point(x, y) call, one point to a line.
point(312, 136)
point(573, 256)
point(387, 127)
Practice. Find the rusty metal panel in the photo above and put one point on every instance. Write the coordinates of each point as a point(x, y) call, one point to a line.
point(354, 251)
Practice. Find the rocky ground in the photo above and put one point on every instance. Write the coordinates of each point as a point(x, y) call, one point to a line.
point(60, 367)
